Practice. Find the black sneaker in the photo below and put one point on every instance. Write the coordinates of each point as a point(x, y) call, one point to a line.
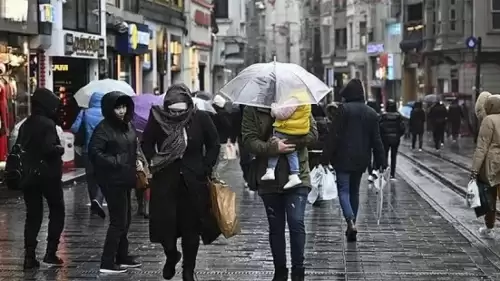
point(52, 260)
point(114, 269)
point(30, 263)
point(96, 208)
point(128, 262)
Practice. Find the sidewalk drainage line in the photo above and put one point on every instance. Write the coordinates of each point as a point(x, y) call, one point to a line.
point(465, 231)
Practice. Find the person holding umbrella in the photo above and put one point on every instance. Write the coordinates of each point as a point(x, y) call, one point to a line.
point(258, 87)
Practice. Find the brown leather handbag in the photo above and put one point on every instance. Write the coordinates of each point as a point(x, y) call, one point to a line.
point(142, 180)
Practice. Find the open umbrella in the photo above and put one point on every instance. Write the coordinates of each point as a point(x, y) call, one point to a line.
point(204, 105)
point(143, 104)
point(263, 84)
point(83, 95)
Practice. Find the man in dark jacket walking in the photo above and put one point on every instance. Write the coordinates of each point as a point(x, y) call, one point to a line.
point(359, 135)
point(437, 116)
point(113, 153)
point(42, 172)
point(417, 122)
point(391, 130)
point(455, 116)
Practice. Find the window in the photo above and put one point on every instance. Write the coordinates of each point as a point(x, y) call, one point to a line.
point(495, 14)
point(326, 39)
point(115, 3)
point(221, 9)
point(82, 15)
point(340, 38)
point(131, 5)
point(452, 2)
point(453, 20)
point(349, 41)
point(362, 34)
point(178, 3)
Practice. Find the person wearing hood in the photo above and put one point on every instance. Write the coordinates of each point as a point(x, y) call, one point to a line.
point(42, 166)
point(85, 123)
point(392, 129)
point(113, 154)
point(371, 166)
point(359, 136)
point(455, 116)
point(188, 147)
point(417, 124)
point(437, 116)
point(479, 110)
point(485, 164)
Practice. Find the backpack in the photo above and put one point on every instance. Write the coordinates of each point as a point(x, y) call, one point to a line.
point(14, 167)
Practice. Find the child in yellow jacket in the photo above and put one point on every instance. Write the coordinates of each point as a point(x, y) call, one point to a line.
point(292, 120)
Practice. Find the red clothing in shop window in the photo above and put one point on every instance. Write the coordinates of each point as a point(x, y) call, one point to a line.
point(5, 124)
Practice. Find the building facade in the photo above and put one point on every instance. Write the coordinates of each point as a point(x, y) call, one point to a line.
point(169, 54)
point(310, 37)
point(256, 32)
point(199, 38)
point(229, 44)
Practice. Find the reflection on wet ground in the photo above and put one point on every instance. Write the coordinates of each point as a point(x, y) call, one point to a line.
point(412, 242)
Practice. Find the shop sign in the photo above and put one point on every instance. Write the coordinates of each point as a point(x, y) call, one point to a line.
point(340, 64)
point(16, 10)
point(60, 67)
point(83, 45)
point(46, 12)
point(374, 48)
point(136, 41)
point(202, 19)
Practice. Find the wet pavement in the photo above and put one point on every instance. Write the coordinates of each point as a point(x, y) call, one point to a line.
point(412, 242)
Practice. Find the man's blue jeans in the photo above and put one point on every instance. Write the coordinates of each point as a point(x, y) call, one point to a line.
point(348, 187)
point(289, 206)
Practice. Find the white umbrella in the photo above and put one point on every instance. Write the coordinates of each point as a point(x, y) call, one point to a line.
point(204, 105)
point(83, 95)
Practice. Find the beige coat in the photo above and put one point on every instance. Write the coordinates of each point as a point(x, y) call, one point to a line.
point(486, 160)
point(479, 109)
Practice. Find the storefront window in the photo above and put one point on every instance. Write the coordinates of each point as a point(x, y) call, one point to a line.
point(126, 70)
point(82, 15)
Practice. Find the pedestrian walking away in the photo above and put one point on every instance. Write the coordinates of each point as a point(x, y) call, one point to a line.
point(188, 147)
point(41, 178)
point(455, 116)
point(359, 135)
point(485, 167)
point(83, 127)
point(113, 153)
point(281, 206)
point(437, 116)
point(417, 124)
point(392, 129)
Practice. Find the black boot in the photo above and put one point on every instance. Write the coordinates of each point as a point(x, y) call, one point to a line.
point(298, 274)
point(188, 274)
point(30, 261)
point(50, 255)
point(351, 231)
point(169, 268)
point(280, 274)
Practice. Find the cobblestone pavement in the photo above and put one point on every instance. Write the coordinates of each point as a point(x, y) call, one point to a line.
point(412, 242)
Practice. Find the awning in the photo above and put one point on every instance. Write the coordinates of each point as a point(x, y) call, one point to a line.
point(409, 44)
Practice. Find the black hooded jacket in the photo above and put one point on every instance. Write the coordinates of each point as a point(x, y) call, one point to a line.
point(359, 132)
point(438, 115)
point(455, 113)
point(38, 135)
point(417, 119)
point(391, 125)
point(113, 145)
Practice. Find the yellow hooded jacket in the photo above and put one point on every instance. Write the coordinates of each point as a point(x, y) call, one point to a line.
point(299, 123)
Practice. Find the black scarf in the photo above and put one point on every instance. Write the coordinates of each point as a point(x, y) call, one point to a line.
point(173, 123)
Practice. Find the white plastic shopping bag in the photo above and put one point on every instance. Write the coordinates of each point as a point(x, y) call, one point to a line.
point(316, 176)
point(328, 188)
point(472, 200)
point(230, 151)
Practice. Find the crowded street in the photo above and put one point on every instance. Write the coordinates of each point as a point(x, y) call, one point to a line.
point(425, 234)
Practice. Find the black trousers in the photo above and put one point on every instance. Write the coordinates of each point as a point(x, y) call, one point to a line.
point(245, 160)
point(414, 140)
point(393, 148)
point(119, 207)
point(51, 190)
point(438, 135)
point(187, 228)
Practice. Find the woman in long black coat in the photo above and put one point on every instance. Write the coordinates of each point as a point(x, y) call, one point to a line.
point(173, 143)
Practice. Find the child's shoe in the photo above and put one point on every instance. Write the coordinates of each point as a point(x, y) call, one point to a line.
point(293, 180)
point(269, 175)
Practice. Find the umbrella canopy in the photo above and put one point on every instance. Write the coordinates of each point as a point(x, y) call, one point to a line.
point(204, 105)
point(143, 104)
point(263, 84)
point(83, 95)
point(433, 98)
point(405, 111)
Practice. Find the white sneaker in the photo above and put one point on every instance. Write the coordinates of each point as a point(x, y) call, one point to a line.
point(420, 149)
point(486, 232)
point(269, 175)
point(370, 178)
point(293, 180)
